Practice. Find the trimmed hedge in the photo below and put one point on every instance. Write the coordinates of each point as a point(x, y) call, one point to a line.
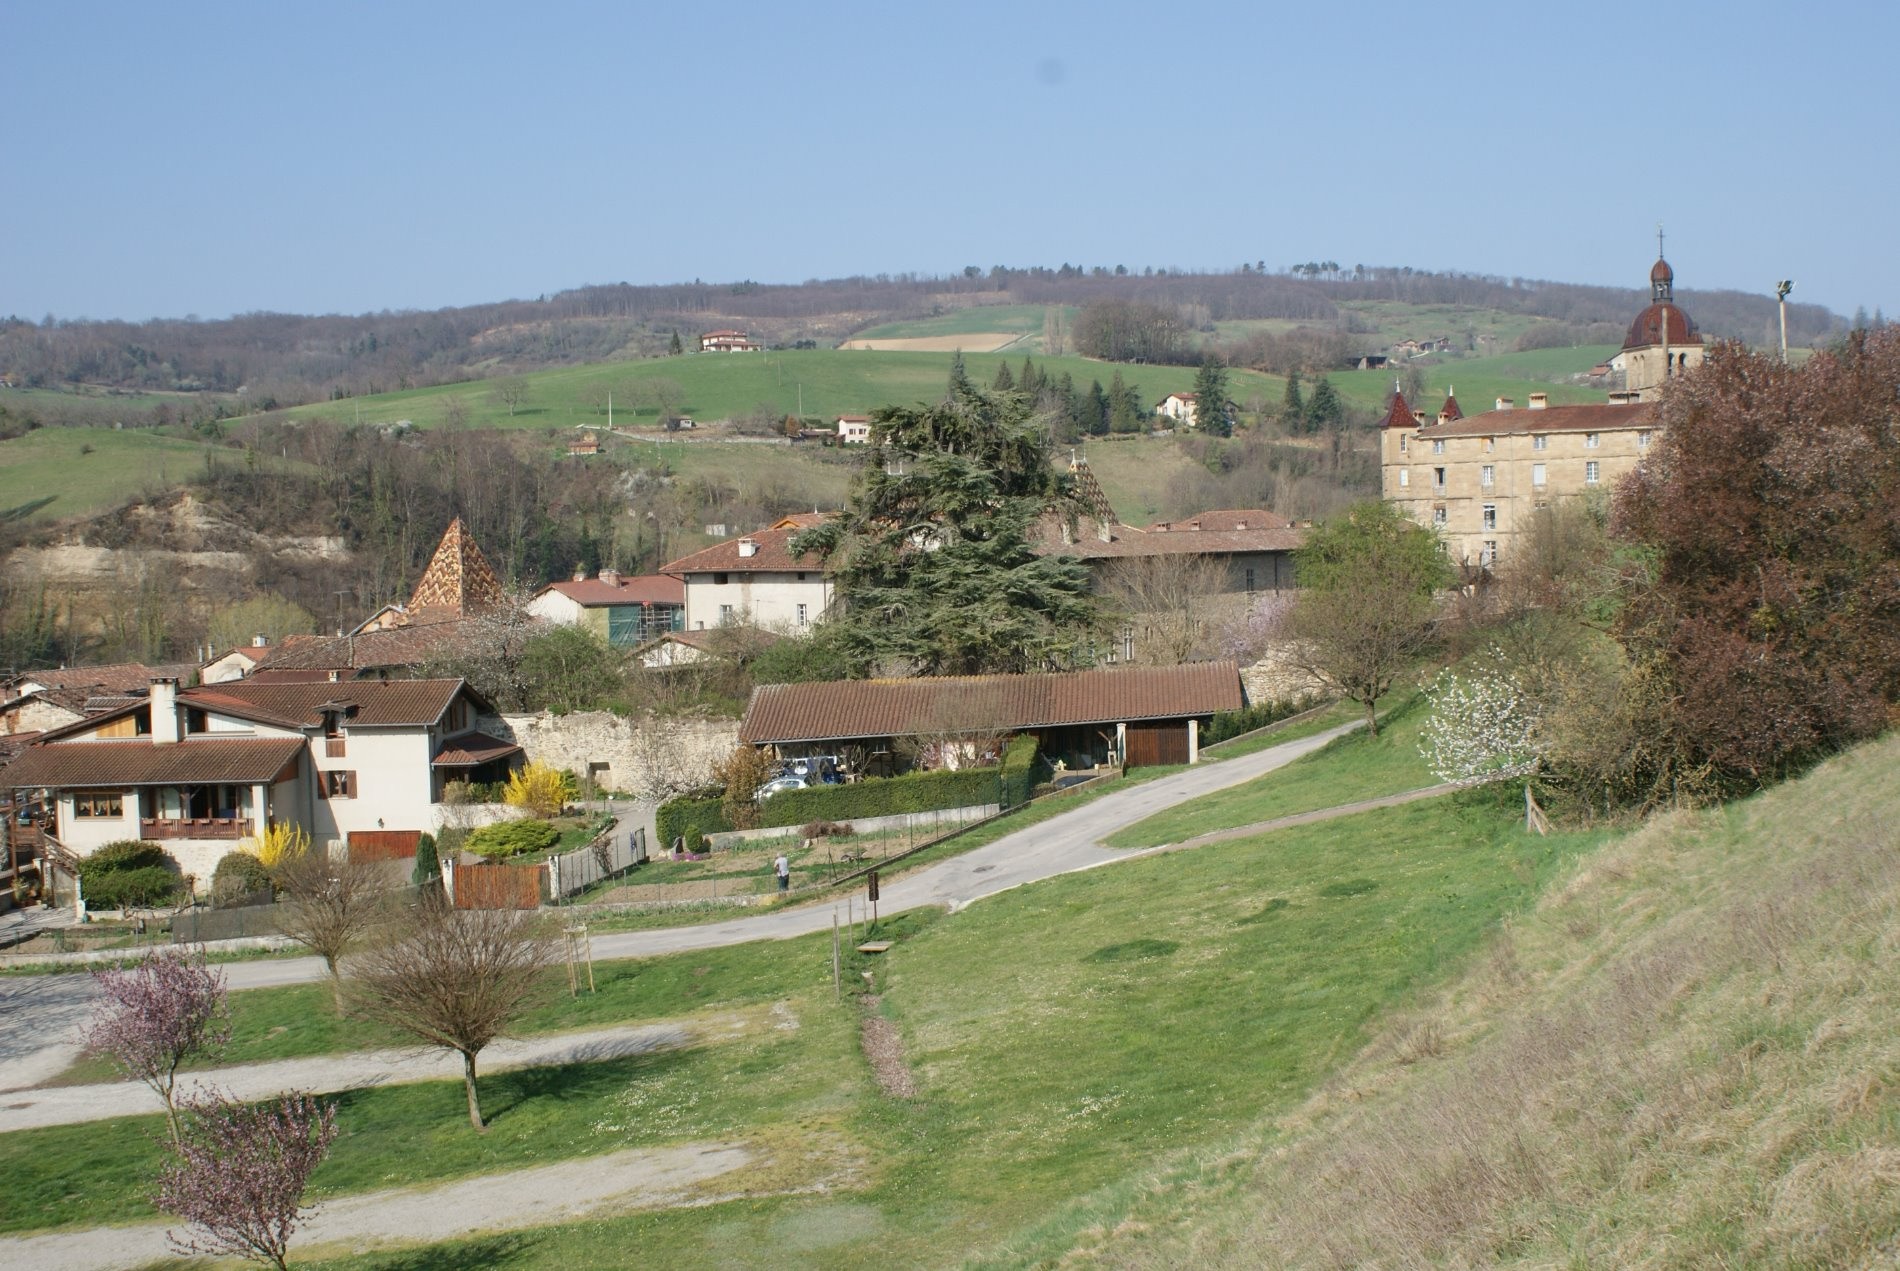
point(119, 856)
point(146, 886)
point(512, 838)
point(1245, 720)
point(1009, 785)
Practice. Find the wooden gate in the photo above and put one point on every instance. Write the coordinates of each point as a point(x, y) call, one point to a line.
point(1157, 742)
point(383, 845)
point(498, 886)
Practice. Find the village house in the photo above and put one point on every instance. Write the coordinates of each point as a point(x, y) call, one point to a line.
point(234, 664)
point(198, 769)
point(623, 610)
point(727, 342)
point(754, 580)
point(854, 430)
point(1178, 407)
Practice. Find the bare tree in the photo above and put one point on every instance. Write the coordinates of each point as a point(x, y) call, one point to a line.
point(457, 978)
point(154, 1016)
point(510, 392)
point(330, 906)
point(239, 1176)
point(1169, 604)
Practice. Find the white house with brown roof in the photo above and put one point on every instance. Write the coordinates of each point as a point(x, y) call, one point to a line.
point(196, 770)
point(755, 580)
point(854, 430)
point(727, 342)
point(624, 610)
point(1178, 407)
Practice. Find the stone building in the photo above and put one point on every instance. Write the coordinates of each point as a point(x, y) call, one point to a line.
point(1662, 342)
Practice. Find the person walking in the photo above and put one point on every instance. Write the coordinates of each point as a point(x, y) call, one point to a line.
point(783, 868)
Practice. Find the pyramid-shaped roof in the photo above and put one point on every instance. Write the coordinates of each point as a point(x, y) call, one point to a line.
point(1400, 416)
point(1089, 492)
point(459, 578)
point(1450, 410)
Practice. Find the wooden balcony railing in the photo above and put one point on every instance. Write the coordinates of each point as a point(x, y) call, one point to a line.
point(208, 827)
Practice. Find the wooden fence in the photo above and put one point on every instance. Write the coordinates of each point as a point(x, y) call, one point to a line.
point(496, 886)
point(383, 845)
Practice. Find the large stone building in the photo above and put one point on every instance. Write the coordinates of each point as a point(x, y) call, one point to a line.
point(1478, 479)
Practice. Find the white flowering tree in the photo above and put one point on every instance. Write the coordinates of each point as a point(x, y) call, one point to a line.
point(1482, 727)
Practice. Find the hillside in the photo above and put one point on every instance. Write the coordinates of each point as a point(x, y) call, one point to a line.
point(1684, 1056)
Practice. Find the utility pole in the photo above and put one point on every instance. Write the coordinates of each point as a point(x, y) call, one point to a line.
point(1782, 289)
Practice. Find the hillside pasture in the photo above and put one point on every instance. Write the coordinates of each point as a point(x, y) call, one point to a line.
point(1013, 320)
point(54, 473)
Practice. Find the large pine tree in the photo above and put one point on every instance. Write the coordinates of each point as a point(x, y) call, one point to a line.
point(932, 559)
point(1213, 410)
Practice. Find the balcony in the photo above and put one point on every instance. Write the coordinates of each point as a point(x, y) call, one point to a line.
point(204, 827)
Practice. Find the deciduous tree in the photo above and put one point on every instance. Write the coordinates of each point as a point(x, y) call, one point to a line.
point(154, 1016)
point(238, 1175)
point(331, 905)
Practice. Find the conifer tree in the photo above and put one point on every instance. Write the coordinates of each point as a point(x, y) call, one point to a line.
point(1004, 381)
point(1094, 410)
point(1124, 407)
point(1293, 405)
point(676, 348)
point(1212, 409)
point(1325, 410)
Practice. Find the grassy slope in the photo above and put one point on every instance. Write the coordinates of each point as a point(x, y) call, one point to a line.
point(122, 465)
point(1012, 319)
point(1052, 1045)
point(1685, 1056)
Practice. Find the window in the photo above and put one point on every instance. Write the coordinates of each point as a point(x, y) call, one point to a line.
point(1642, 441)
point(1438, 515)
point(1540, 442)
point(98, 803)
point(1490, 556)
point(719, 580)
point(1405, 477)
point(1590, 472)
point(1592, 440)
point(1490, 516)
point(1490, 444)
point(1537, 475)
point(1438, 479)
point(1438, 446)
point(1250, 578)
point(1402, 441)
point(1488, 476)
point(339, 785)
point(725, 615)
point(803, 619)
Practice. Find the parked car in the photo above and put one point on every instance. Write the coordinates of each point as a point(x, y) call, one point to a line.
point(779, 785)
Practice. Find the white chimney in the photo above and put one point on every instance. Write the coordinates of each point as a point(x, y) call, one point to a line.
point(611, 577)
point(1507, 403)
point(1240, 525)
point(1539, 401)
point(163, 698)
point(748, 547)
point(258, 642)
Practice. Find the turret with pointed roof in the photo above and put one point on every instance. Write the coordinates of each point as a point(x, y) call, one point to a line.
point(1400, 416)
point(459, 579)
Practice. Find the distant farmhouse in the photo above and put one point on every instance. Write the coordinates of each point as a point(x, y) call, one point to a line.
point(728, 342)
point(1178, 407)
point(623, 610)
point(1478, 479)
point(854, 430)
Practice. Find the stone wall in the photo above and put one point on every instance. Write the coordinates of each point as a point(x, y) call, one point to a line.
point(646, 756)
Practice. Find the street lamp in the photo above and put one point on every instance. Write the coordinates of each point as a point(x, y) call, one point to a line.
point(1782, 289)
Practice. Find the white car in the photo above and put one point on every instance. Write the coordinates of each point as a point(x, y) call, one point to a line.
point(779, 785)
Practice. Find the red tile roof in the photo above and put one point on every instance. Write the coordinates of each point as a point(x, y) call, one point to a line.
point(239, 760)
point(1591, 417)
point(372, 650)
point(643, 589)
point(772, 557)
point(1400, 416)
point(458, 578)
point(1223, 519)
point(378, 703)
point(1451, 411)
point(1126, 540)
point(117, 677)
point(1647, 329)
point(900, 708)
point(471, 750)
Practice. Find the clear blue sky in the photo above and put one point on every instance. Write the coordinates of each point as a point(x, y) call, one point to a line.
point(180, 158)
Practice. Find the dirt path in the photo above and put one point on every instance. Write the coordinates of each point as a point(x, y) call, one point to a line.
point(593, 1186)
point(322, 1074)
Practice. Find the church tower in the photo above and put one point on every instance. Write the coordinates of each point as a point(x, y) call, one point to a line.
point(1663, 341)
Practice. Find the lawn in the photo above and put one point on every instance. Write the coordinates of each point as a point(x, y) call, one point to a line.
point(1356, 766)
point(1060, 1035)
point(976, 319)
point(52, 473)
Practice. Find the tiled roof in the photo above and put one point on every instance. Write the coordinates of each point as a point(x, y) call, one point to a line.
point(900, 708)
point(1647, 329)
point(391, 647)
point(379, 703)
point(773, 556)
point(117, 677)
point(1126, 540)
point(239, 760)
point(1223, 519)
point(1400, 416)
point(471, 750)
point(1591, 417)
point(643, 589)
point(1450, 411)
point(458, 578)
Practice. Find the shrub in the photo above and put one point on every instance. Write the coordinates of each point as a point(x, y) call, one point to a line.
point(278, 844)
point(824, 829)
point(146, 886)
point(512, 838)
point(120, 856)
point(539, 789)
point(239, 876)
point(690, 818)
point(1245, 720)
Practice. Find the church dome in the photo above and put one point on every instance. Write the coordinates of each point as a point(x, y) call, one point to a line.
point(1649, 325)
point(1660, 272)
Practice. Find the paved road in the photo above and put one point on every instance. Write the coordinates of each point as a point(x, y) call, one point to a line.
point(37, 1013)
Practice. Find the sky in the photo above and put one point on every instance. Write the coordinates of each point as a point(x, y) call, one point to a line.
point(216, 158)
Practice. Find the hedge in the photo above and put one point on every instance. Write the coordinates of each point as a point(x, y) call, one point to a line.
point(512, 838)
point(148, 885)
point(692, 819)
point(119, 856)
point(1248, 718)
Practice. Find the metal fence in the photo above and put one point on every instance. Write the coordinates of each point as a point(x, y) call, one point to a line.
point(614, 852)
point(197, 926)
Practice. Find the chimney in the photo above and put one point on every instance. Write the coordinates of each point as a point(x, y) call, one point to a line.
point(580, 573)
point(1539, 401)
point(163, 699)
point(1418, 417)
point(611, 577)
point(1507, 403)
point(1240, 525)
point(748, 547)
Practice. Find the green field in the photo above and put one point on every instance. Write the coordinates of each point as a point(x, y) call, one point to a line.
point(66, 472)
point(1007, 319)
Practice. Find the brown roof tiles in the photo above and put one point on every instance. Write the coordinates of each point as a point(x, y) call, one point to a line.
point(644, 589)
point(239, 760)
point(1590, 417)
point(898, 708)
point(378, 703)
point(772, 557)
point(459, 578)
